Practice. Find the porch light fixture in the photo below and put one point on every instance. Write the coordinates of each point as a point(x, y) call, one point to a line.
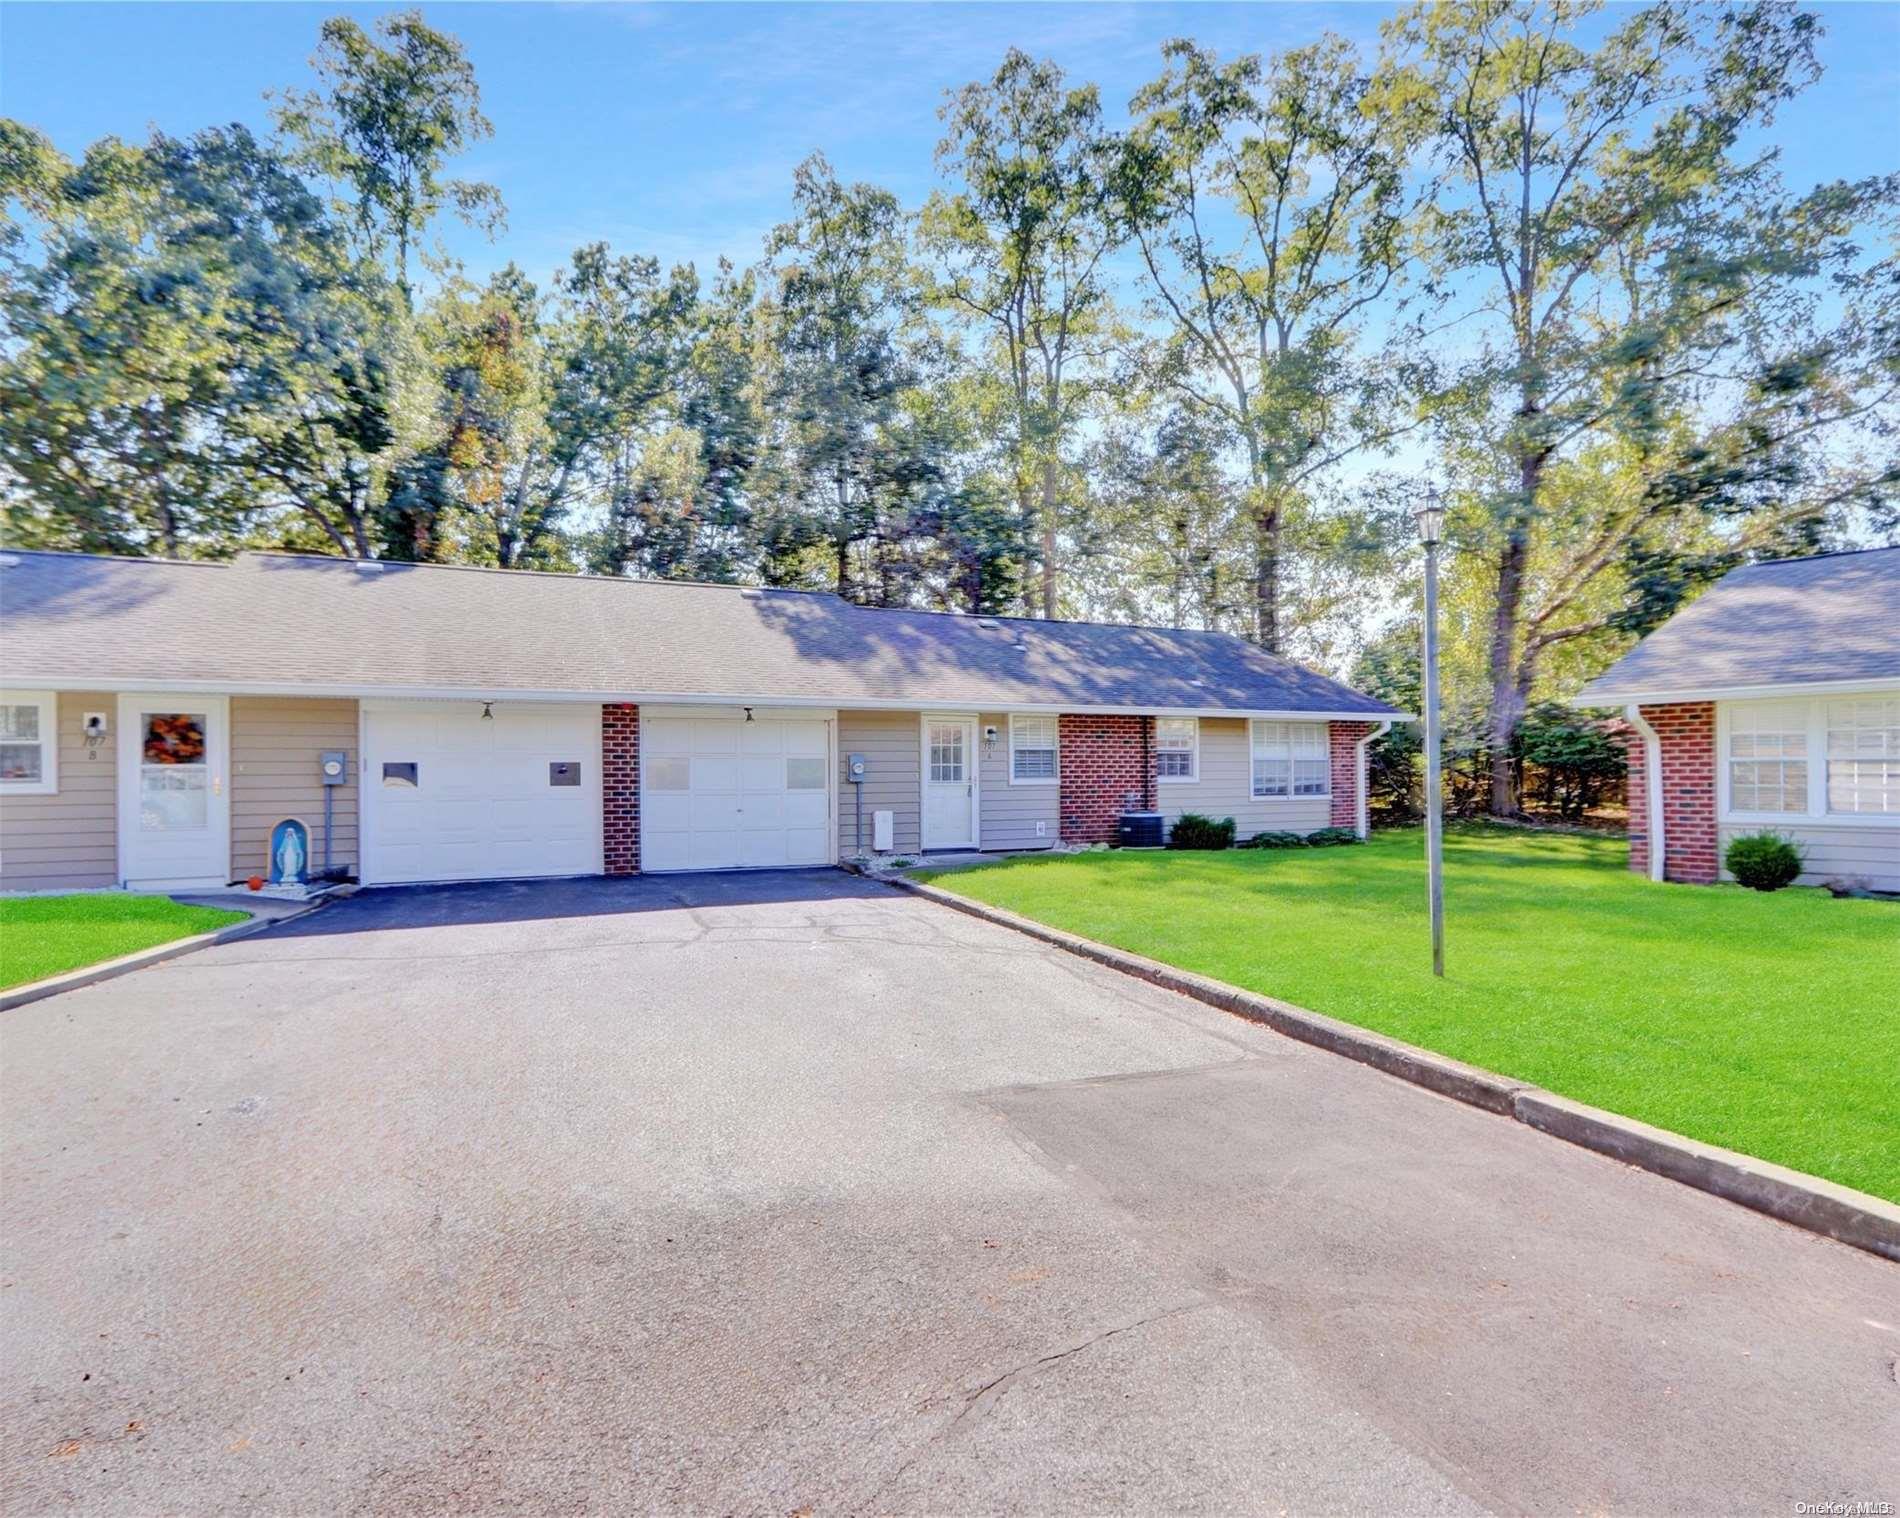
point(748, 714)
point(1431, 519)
point(488, 711)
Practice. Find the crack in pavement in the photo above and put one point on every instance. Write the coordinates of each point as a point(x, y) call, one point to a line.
point(977, 1404)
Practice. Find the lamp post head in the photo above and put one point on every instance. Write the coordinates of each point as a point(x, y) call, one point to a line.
point(1430, 518)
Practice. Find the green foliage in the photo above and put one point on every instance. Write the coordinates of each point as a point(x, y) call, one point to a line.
point(1743, 1020)
point(1569, 762)
point(1331, 838)
point(1275, 840)
point(1135, 375)
point(394, 109)
point(1269, 205)
point(1193, 831)
point(1763, 861)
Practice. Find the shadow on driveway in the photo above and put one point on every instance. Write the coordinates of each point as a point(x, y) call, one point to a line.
point(387, 908)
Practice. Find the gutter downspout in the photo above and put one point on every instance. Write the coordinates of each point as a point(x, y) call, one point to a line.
point(1362, 823)
point(1652, 787)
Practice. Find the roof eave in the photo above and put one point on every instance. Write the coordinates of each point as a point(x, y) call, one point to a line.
point(1594, 695)
point(847, 702)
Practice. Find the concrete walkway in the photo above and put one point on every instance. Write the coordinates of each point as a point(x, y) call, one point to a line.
point(767, 1193)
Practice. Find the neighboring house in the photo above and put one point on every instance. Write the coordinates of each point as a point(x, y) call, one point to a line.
point(1772, 702)
point(160, 718)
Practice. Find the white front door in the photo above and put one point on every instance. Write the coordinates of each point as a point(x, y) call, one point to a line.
point(719, 792)
point(451, 794)
point(949, 782)
point(174, 792)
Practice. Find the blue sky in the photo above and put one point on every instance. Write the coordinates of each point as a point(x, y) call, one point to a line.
point(673, 129)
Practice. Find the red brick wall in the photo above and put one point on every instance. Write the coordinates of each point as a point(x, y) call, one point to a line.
point(1343, 739)
point(1103, 760)
point(620, 787)
point(1686, 732)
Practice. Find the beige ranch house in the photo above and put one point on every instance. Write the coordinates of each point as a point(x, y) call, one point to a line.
point(159, 720)
point(1772, 703)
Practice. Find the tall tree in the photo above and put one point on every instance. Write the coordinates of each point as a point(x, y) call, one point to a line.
point(190, 346)
point(1268, 204)
point(1602, 212)
point(848, 465)
point(393, 109)
point(1023, 244)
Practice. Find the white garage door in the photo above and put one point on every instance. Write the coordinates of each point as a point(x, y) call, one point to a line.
point(451, 795)
point(721, 793)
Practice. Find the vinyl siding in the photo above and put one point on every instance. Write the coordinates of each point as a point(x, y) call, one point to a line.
point(1870, 855)
point(68, 841)
point(275, 741)
point(893, 776)
point(1010, 812)
point(1225, 788)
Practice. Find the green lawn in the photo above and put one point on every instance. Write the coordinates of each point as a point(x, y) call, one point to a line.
point(1764, 1023)
point(45, 935)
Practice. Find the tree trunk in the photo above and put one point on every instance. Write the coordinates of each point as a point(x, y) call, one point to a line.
point(1266, 578)
point(1049, 539)
point(1506, 701)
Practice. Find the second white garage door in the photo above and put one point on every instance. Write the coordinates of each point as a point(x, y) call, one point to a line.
point(720, 793)
point(449, 794)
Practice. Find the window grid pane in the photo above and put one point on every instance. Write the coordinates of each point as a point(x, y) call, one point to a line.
point(20, 722)
point(1290, 759)
point(1863, 756)
point(1032, 748)
point(22, 762)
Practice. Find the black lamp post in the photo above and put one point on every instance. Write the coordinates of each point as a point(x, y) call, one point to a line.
point(1431, 530)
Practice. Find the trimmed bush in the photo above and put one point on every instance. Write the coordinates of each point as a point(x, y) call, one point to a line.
point(1763, 861)
point(1272, 840)
point(1328, 838)
point(1193, 831)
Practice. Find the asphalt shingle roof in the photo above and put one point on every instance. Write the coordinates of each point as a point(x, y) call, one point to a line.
point(1788, 622)
point(282, 620)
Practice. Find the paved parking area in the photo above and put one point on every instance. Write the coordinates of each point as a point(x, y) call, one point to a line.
point(783, 1192)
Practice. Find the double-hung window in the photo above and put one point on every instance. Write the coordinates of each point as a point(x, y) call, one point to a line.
point(1177, 748)
point(1290, 759)
point(29, 754)
point(1032, 750)
point(1863, 756)
point(1768, 757)
point(1822, 758)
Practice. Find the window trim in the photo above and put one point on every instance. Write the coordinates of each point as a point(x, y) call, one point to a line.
point(1193, 776)
point(1055, 727)
point(48, 703)
point(1817, 814)
point(1254, 724)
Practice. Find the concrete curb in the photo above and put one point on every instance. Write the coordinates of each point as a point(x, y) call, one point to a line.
point(1806, 1201)
point(125, 964)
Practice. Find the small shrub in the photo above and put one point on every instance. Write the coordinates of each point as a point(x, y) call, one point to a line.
point(1273, 840)
point(1193, 831)
point(1328, 838)
point(1763, 861)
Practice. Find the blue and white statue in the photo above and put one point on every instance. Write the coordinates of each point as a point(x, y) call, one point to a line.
point(290, 848)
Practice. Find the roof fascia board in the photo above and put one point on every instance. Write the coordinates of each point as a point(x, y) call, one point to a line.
point(680, 698)
point(1729, 692)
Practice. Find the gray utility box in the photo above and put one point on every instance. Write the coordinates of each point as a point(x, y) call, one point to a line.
point(333, 764)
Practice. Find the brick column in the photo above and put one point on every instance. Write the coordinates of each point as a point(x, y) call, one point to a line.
point(1686, 734)
point(1103, 761)
point(1342, 739)
point(620, 787)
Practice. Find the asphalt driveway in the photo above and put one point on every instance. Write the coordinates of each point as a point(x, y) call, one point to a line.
point(786, 1192)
